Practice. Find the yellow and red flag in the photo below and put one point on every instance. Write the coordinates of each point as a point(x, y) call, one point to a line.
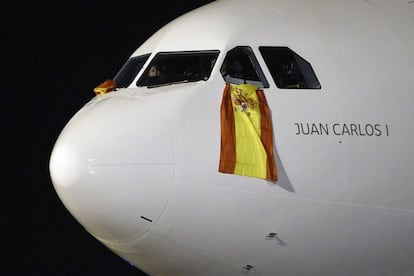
point(246, 133)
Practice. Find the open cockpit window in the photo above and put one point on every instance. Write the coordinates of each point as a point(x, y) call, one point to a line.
point(176, 67)
point(129, 71)
point(288, 69)
point(240, 66)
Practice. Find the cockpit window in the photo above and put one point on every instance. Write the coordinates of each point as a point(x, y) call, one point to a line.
point(129, 71)
point(241, 66)
point(288, 69)
point(175, 67)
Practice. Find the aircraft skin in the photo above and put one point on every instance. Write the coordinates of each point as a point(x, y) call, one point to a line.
point(138, 167)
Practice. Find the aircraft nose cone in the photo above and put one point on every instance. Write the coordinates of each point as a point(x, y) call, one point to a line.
point(112, 167)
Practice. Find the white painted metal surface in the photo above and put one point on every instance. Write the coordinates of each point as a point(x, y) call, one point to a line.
point(138, 168)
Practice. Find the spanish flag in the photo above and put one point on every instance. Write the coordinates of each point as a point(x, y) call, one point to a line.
point(246, 133)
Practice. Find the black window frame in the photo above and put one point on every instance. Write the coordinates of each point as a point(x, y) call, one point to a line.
point(144, 81)
point(130, 70)
point(229, 75)
point(288, 69)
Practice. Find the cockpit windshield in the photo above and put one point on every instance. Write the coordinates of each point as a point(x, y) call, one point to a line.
point(175, 67)
point(129, 71)
point(241, 66)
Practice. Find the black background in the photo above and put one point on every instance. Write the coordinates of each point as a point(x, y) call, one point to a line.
point(54, 54)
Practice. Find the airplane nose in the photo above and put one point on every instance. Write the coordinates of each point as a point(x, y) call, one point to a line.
point(112, 166)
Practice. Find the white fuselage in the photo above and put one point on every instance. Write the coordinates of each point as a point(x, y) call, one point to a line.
point(138, 167)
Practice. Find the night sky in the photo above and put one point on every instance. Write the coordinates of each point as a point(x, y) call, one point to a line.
point(54, 54)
